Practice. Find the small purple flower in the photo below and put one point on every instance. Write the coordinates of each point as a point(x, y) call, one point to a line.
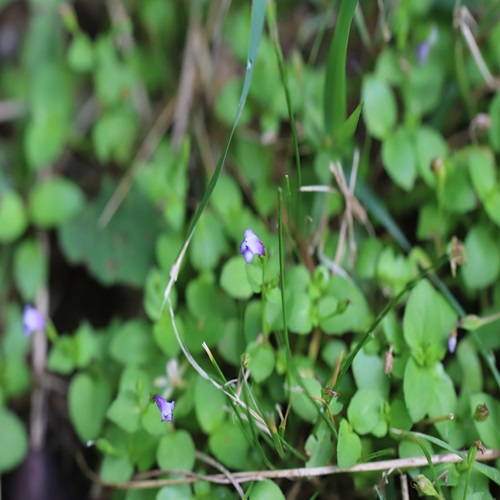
point(423, 50)
point(452, 341)
point(452, 344)
point(33, 321)
point(166, 408)
point(251, 246)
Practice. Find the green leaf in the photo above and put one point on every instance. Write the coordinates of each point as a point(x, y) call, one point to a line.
point(81, 53)
point(16, 377)
point(429, 144)
point(234, 278)
point(133, 343)
point(356, 316)
point(418, 389)
point(492, 206)
point(398, 416)
point(209, 331)
point(482, 171)
point(230, 446)
point(433, 222)
point(164, 335)
point(227, 199)
point(302, 404)
point(458, 195)
point(13, 440)
point(13, 220)
point(114, 135)
point(51, 103)
point(267, 490)
point(88, 401)
point(209, 405)
point(229, 344)
point(368, 254)
point(427, 322)
point(368, 371)
point(55, 201)
point(483, 258)
point(204, 298)
point(319, 447)
point(348, 446)
point(174, 492)
point(30, 268)
point(113, 79)
point(116, 468)
point(444, 403)
point(365, 410)
point(424, 88)
point(209, 243)
point(63, 355)
point(176, 451)
point(125, 411)
point(124, 251)
point(226, 105)
point(299, 312)
point(262, 361)
point(399, 158)
point(153, 293)
point(151, 420)
point(379, 107)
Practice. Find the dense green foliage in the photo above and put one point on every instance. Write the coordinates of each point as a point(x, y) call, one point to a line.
point(360, 142)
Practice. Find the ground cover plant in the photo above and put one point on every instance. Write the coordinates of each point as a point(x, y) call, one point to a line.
point(250, 249)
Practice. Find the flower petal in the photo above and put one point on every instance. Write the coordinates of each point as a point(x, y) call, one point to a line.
point(166, 408)
point(33, 320)
point(251, 246)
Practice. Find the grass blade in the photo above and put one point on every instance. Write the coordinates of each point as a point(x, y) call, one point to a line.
point(335, 102)
point(257, 26)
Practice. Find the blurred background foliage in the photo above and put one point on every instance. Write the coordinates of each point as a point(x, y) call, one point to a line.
point(114, 116)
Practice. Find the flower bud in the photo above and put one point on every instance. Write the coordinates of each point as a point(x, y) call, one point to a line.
point(481, 413)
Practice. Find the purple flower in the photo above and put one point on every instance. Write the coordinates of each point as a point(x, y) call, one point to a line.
point(452, 341)
point(33, 320)
point(166, 408)
point(423, 50)
point(251, 246)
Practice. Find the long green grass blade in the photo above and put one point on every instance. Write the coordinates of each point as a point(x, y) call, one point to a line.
point(258, 16)
point(335, 102)
point(256, 29)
